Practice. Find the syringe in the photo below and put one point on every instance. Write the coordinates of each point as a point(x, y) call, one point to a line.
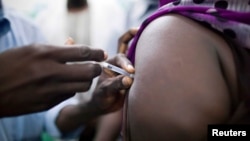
point(116, 69)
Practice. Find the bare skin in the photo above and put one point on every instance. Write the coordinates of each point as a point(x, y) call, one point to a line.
point(36, 77)
point(108, 97)
point(125, 39)
point(185, 79)
point(108, 126)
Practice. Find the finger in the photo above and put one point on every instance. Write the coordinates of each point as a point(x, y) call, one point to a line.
point(109, 72)
point(69, 41)
point(116, 91)
point(72, 53)
point(125, 38)
point(62, 89)
point(78, 72)
point(127, 82)
point(108, 92)
point(122, 61)
point(119, 83)
point(72, 87)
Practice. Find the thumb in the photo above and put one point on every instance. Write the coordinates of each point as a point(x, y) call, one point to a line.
point(127, 82)
point(115, 85)
point(69, 41)
point(122, 82)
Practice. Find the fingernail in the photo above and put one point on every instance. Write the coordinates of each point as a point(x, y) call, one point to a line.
point(130, 68)
point(105, 55)
point(126, 81)
point(69, 41)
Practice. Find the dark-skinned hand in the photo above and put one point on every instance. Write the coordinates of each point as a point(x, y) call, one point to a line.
point(34, 78)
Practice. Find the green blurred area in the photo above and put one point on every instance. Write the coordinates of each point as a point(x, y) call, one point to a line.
point(46, 137)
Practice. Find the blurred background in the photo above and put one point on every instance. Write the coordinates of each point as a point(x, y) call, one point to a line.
point(28, 7)
point(99, 24)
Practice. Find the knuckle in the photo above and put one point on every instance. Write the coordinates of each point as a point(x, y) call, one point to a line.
point(31, 49)
point(84, 52)
point(36, 48)
point(47, 51)
point(39, 50)
point(34, 71)
point(40, 71)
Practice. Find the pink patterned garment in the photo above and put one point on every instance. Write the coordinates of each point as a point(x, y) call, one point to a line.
point(230, 17)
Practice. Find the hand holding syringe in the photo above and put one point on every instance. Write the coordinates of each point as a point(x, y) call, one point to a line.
point(106, 65)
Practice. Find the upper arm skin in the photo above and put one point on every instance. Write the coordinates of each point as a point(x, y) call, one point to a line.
point(179, 87)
